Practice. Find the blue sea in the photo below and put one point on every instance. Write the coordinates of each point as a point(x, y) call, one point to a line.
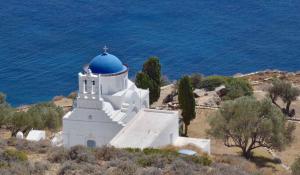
point(44, 44)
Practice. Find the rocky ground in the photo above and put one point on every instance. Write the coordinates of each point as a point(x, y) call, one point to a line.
point(260, 81)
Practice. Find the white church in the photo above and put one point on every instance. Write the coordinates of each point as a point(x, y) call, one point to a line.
point(111, 110)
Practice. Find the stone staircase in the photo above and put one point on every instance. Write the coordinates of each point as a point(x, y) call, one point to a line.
point(114, 115)
point(124, 107)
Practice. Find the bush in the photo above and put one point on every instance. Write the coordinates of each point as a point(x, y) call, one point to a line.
point(149, 151)
point(211, 82)
point(196, 80)
point(46, 115)
point(296, 167)
point(58, 155)
point(237, 87)
point(39, 168)
point(146, 161)
point(107, 153)
point(3, 143)
point(123, 167)
point(16, 168)
point(81, 154)
point(11, 155)
point(149, 171)
point(36, 147)
point(39, 116)
point(180, 167)
point(202, 160)
point(71, 167)
point(133, 150)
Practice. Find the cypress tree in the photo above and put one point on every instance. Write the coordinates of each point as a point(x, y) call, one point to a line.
point(142, 80)
point(150, 77)
point(152, 68)
point(186, 101)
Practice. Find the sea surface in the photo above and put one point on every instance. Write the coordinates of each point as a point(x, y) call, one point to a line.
point(45, 43)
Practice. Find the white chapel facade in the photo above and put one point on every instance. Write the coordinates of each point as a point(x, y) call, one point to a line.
point(106, 101)
point(111, 110)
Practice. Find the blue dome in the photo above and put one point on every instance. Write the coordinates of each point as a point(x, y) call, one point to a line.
point(106, 64)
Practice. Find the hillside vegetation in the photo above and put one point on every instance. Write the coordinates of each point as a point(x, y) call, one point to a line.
point(21, 157)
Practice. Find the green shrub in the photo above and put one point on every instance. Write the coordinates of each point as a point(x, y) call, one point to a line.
point(107, 153)
point(149, 151)
point(80, 153)
point(46, 115)
point(133, 150)
point(39, 116)
point(125, 166)
point(16, 168)
point(39, 168)
point(154, 160)
point(196, 80)
point(37, 147)
point(58, 155)
point(14, 155)
point(145, 161)
point(181, 167)
point(203, 160)
point(237, 87)
point(211, 82)
point(71, 167)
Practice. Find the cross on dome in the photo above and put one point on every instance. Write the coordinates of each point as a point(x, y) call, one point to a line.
point(105, 48)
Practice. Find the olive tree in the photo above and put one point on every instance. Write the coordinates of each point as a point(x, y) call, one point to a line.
point(286, 92)
point(186, 101)
point(249, 124)
point(38, 116)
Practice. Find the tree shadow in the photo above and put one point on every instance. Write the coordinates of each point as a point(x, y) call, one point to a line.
point(261, 161)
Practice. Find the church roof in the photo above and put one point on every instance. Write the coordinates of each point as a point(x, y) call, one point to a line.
point(106, 64)
point(144, 129)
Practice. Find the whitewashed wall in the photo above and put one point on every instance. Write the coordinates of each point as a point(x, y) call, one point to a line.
point(80, 127)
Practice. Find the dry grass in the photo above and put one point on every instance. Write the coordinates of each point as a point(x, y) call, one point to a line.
point(263, 159)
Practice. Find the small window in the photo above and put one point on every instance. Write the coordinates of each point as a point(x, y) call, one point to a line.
point(91, 143)
point(85, 85)
point(93, 87)
point(90, 117)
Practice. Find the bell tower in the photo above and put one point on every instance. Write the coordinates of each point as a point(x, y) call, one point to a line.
point(89, 95)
